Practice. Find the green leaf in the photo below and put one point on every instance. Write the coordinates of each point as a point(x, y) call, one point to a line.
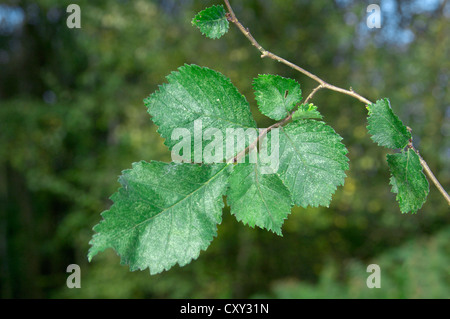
point(312, 161)
point(408, 180)
point(163, 214)
point(385, 127)
point(306, 111)
point(276, 96)
point(258, 199)
point(199, 95)
point(212, 22)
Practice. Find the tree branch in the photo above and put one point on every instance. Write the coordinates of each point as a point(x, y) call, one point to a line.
point(231, 16)
point(264, 53)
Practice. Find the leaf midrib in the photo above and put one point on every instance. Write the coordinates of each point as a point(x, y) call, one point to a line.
point(167, 208)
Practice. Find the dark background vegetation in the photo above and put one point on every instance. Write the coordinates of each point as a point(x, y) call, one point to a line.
point(72, 118)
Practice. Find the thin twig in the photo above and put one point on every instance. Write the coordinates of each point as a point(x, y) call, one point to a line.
point(322, 84)
point(430, 174)
point(264, 53)
point(261, 135)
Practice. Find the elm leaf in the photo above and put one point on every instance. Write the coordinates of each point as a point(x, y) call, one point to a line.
point(306, 111)
point(385, 127)
point(276, 96)
point(257, 198)
point(197, 99)
point(212, 22)
point(312, 162)
point(163, 214)
point(408, 180)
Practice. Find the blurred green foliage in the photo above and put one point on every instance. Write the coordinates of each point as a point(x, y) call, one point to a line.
point(416, 269)
point(72, 117)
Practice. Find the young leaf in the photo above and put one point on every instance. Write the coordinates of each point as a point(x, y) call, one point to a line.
point(306, 111)
point(276, 96)
point(212, 22)
point(258, 199)
point(408, 180)
point(312, 162)
point(163, 214)
point(385, 127)
point(195, 99)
